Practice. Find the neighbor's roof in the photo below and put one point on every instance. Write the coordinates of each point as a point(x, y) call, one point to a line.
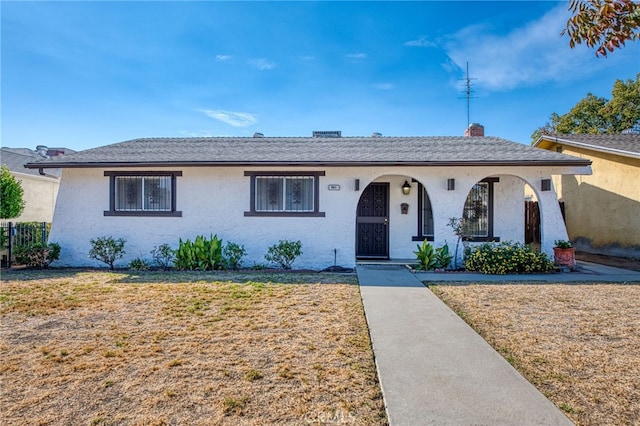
point(308, 151)
point(626, 145)
point(16, 158)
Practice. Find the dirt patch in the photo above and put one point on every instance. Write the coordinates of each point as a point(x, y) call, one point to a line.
point(112, 348)
point(578, 344)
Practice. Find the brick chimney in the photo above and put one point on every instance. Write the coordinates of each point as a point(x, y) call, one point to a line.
point(474, 129)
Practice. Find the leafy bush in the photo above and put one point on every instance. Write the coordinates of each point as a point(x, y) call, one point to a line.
point(37, 255)
point(163, 255)
point(506, 258)
point(284, 253)
point(11, 195)
point(426, 256)
point(443, 257)
point(139, 264)
point(234, 253)
point(203, 254)
point(107, 249)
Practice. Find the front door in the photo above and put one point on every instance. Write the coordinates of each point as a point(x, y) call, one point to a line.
point(372, 222)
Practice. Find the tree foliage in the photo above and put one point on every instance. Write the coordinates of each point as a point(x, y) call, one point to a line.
point(11, 192)
point(603, 24)
point(598, 115)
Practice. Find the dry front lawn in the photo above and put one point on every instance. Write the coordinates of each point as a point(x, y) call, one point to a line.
point(578, 344)
point(98, 348)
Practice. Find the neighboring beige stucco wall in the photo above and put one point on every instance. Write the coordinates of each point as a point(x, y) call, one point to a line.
point(214, 199)
point(40, 193)
point(603, 209)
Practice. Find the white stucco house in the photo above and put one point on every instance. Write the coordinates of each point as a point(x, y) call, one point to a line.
point(348, 197)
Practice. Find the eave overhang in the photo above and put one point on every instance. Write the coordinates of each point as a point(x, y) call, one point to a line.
point(544, 142)
point(129, 164)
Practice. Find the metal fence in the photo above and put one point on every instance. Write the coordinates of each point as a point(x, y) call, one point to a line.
point(21, 234)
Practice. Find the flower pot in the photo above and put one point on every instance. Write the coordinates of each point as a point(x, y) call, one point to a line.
point(564, 256)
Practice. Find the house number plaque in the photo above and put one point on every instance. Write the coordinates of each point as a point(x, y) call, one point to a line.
point(333, 187)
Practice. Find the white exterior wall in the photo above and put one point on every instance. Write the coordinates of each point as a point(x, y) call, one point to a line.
point(213, 201)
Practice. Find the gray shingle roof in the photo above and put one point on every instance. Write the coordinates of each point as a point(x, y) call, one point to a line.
point(16, 158)
point(627, 145)
point(353, 151)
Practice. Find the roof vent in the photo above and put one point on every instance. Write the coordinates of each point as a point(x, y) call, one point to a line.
point(258, 135)
point(42, 150)
point(376, 135)
point(327, 134)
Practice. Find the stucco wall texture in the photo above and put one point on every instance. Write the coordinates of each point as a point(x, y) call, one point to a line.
point(213, 201)
point(39, 197)
point(603, 209)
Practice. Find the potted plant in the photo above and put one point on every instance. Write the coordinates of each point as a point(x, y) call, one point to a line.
point(564, 254)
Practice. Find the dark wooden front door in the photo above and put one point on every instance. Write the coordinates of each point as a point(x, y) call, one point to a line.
point(372, 222)
point(531, 222)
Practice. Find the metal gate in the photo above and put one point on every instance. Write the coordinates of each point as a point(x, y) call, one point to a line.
point(21, 234)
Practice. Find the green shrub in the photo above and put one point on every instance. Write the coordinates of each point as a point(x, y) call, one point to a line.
point(11, 195)
point(4, 238)
point(506, 258)
point(139, 264)
point(163, 255)
point(426, 256)
point(202, 254)
point(443, 257)
point(37, 255)
point(107, 249)
point(284, 253)
point(234, 253)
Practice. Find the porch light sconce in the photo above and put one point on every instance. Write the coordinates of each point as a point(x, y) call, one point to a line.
point(451, 184)
point(406, 188)
point(404, 208)
point(545, 185)
point(357, 185)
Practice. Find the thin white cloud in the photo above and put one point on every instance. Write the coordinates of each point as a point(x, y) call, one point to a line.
point(420, 42)
point(235, 119)
point(384, 86)
point(308, 58)
point(356, 56)
point(262, 64)
point(529, 55)
point(223, 58)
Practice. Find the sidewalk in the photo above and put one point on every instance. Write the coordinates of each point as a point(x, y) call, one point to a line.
point(584, 272)
point(433, 368)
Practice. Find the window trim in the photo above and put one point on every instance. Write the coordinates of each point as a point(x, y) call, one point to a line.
point(490, 213)
point(420, 236)
point(112, 194)
point(316, 194)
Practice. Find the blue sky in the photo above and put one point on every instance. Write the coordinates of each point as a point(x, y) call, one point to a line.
point(85, 74)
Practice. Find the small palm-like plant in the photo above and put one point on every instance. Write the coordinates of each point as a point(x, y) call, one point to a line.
point(443, 257)
point(426, 256)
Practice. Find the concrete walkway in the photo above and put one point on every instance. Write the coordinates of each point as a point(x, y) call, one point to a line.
point(433, 368)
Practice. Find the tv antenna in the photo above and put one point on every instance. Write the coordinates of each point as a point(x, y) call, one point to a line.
point(468, 94)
